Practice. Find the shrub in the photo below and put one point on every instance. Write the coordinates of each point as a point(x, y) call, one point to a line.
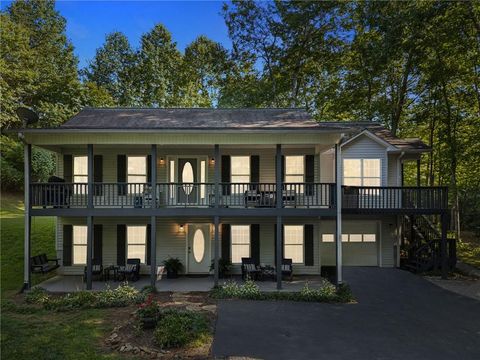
point(148, 309)
point(250, 291)
point(149, 289)
point(36, 295)
point(181, 328)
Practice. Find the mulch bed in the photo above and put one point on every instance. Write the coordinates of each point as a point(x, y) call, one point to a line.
point(128, 338)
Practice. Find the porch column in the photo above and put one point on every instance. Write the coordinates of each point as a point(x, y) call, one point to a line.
point(418, 173)
point(278, 178)
point(338, 218)
point(216, 217)
point(443, 245)
point(28, 220)
point(153, 219)
point(402, 181)
point(89, 217)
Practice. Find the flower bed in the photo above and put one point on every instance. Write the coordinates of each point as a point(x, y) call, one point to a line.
point(250, 291)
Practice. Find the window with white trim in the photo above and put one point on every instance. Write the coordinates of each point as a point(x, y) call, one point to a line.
point(79, 245)
point(240, 242)
point(137, 242)
point(295, 169)
point(293, 243)
point(239, 172)
point(354, 238)
point(362, 172)
point(80, 173)
point(136, 173)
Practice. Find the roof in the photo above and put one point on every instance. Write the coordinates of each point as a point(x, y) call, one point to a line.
point(193, 118)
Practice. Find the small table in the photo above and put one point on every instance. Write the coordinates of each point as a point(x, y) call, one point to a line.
point(108, 270)
point(266, 271)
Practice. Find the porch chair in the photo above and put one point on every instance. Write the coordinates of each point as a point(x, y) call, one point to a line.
point(132, 269)
point(287, 268)
point(97, 270)
point(249, 269)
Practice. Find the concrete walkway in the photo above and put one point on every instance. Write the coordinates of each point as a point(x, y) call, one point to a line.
point(398, 316)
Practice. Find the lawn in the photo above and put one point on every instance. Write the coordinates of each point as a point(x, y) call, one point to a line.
point(468, 250)
point(38, 334)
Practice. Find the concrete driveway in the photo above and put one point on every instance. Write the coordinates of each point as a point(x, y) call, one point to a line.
point(398, 316)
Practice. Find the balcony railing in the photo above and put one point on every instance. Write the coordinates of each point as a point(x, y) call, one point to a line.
point(378, 198)
point(235, 195)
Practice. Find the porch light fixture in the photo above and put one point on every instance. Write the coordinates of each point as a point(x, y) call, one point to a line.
point(161, 162)
point(212, 161)
point(181, 228)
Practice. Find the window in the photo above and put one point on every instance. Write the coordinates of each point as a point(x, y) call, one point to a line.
point(79, 245)
point(136, 242)
point(136, 173)
point(294, 169)
point(240, 172)
point(240, 242)
point(328, 238)
point(351, 238)
point(80, 174)
point(362, 172)
point(293, 243)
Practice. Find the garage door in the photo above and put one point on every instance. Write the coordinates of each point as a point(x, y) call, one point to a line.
point(359, 244)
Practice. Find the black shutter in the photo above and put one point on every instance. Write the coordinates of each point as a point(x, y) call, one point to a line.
point(282, 170)
point(255, 243)
point(149, 168)
point(226, 172)
point(121, 243)
point(122, 174)
point(67, 244)
point(254, 171)
point(308, 245)
point(97, 244)
point(149, 241)
point(97, 174)
point(226, 240)
point(309, 174)
point(68, 168)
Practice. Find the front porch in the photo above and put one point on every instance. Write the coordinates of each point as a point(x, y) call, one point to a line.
point(72, 283)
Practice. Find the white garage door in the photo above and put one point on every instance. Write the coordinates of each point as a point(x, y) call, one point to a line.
point(359, 244)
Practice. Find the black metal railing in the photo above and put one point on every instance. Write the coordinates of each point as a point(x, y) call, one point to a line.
point(394, 197)
point(244, 195)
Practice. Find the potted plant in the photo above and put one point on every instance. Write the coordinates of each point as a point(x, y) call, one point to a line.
point(223, 267)
point(173, 266)
point(148, 313)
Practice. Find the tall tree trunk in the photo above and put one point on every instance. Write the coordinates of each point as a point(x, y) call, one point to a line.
point(401, 96)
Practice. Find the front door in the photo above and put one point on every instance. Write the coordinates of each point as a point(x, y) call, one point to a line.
point(198, 248)
point(187, 191)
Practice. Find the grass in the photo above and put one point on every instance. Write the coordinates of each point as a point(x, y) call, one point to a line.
point(468, 249)
point(11, 234)
point(26, 331)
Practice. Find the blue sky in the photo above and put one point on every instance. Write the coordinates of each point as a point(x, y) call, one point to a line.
point(89, 21)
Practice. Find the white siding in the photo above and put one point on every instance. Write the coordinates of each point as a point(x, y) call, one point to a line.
point(393, 170)
point(365, 148)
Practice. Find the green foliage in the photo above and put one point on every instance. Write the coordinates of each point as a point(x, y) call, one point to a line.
point(148, 309)
point(173, 264)
point(178, 328)
point(250, 291)
point(224, 266)
point(37, 295)
point(122, 296)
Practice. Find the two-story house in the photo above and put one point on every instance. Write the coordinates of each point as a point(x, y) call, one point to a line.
point(205, 184)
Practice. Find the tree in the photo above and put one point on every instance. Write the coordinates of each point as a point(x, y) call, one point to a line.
point(113, 68)
point(205, 66)
point(159, 62)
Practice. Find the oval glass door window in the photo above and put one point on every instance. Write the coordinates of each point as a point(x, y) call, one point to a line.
point(198, 245)
point(187, 177)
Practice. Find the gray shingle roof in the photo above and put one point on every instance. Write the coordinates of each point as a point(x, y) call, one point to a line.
point(225, 119)
point(194, 118)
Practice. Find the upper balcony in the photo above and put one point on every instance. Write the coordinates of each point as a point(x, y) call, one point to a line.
point(313, 196)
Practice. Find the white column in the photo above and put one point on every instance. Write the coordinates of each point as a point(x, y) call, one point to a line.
point(338, 218)
point(26, 270)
